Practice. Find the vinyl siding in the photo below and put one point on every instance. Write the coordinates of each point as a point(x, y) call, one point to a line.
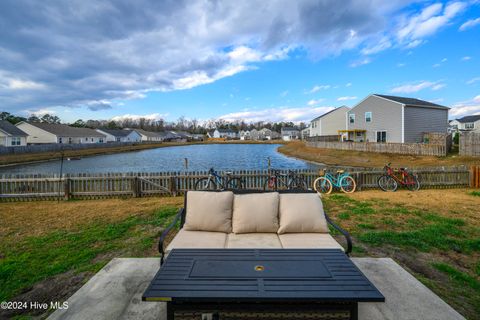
point(330, 124)
point(37, 135)
point(419, 120)
point(386, 116)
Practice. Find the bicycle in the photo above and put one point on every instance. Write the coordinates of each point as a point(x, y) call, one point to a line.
point(342, 180)
point(215, 181)
point(281, 181)
point(390, 179)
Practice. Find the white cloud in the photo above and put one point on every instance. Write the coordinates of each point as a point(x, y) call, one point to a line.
point(401, 64)
point(317, 88)
point(40, 112)
point(412, 30)
point(152, 116)
point(8, 81)
point(465, 108)
point(348, 84)
point(346, 98)
point(466, 58)
point(382, 45)
point(300, 114)
point(360, 62)
point(415, 87)
point(314, 102)
point(469, 24)
point(473, 80)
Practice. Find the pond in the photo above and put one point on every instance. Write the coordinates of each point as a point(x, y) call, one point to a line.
point(200, 157)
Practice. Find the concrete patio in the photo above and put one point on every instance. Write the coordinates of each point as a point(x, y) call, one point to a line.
point(115, 293)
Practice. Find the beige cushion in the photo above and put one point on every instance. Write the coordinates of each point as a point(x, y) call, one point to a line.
point(198, 240)
point(253, 240)
point(301, 212)
point(209, 211)
point(257, 212)
point(308, 241)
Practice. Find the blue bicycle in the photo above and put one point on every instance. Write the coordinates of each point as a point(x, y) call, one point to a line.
point(343, 180)
point(214, 181)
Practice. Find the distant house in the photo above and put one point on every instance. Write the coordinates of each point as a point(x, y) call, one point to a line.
point(150, 136)
point(224, 133)
point(117, 135)
point(39, 133)
point(244, 135)
point(255, 134)
point(467, 123)
point(305, 133)
point(11, 136)
point(381, 118)
point(329, 123)
point(210, 133)
point(290, 133)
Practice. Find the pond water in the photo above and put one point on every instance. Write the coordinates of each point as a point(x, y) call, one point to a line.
point(200, 157)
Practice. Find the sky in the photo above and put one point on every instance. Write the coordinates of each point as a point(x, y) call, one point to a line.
point(234, 60)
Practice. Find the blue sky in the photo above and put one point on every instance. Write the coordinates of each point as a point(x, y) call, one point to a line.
point(254, 61)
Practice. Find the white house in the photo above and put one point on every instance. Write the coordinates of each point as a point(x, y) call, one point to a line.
point(11, 136)
point(244, 135)
point(329, 123)
point(305, 133)
point(150, 136)
point(117, 135)
point(467, 123)
point(290, 133)
point(39, 133)
point(224, 133)
point(267, 134)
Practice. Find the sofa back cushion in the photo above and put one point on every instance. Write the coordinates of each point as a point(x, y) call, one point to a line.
point(209, 211)
point(301, 212)
point(255, 212)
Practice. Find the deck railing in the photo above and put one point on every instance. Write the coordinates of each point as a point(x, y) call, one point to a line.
point(94, 185)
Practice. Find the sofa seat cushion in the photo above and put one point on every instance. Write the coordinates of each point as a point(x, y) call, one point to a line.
point(197, 240)
point(209, 211)
point(253, 240)
point(309, 241)
point(256, 212)
point(301, 212)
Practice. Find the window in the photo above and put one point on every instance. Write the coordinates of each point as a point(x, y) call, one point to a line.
point(16, 141)
point(100, 140)
point(470, 125)
point(368, 116)
point(381, 136)
point(351, 118)
point(60, 140)
point(70, 140)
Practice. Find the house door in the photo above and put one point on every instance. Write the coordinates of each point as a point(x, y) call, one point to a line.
point(381, 136)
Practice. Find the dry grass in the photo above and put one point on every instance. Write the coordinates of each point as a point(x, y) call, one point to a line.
point(298, 149)
point(38, 218)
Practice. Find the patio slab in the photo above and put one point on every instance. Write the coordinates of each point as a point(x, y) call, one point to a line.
point(115, 293)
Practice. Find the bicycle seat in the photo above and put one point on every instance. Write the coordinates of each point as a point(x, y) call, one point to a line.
point(228, 172)
point(340, 171)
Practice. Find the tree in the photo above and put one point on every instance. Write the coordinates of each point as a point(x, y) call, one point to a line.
point(33, 118)
point(79, 124)
point(112, 125)
point(46, 118)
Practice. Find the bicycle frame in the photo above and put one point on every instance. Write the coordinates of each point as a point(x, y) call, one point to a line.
point(336, 179)
point(403, 179)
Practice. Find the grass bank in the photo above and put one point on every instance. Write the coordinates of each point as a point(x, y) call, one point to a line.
point(298, 149)
point(49, 249)
point(45, 156)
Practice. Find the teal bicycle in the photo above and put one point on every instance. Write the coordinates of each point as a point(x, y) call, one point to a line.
point(342, 180)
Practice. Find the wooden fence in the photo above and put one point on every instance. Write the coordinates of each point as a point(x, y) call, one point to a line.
point(475, 176)
point(78, 186)
point(469, 144)
point(420, 149)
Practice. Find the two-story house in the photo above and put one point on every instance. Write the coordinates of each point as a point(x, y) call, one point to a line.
point(329, 123)
point(290, 133)
point(467, 123)
point(382, 118)
point(224, 133)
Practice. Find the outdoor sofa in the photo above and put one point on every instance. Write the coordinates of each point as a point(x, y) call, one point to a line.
point(252, 219)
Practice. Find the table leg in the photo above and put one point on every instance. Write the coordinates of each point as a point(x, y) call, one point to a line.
point(354, 311)
point(170, 311)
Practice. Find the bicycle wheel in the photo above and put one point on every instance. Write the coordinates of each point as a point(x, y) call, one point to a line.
point(413, 184)
point(205, 184)
point(297, 183)
point(269, 184)
point(235, 183)
point(387, 183)
point(322, 185)
point(348, 184)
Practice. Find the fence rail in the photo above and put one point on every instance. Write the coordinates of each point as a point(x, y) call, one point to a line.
point(420, 149)
point(469, 144)
point(80, 186)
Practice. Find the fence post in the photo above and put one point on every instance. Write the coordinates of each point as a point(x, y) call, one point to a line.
point(173, 185)
point(136, 186)
point(66, 188)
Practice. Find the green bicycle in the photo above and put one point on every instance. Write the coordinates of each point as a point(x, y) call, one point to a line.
point(343, 180)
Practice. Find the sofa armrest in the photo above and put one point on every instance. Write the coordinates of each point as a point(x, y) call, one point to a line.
point(345, 234)
point(165, 232)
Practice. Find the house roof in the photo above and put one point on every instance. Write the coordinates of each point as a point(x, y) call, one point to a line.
point(472, 118)
point(117, 132)
point(326, 113)
point(10, 129)
point(289, 129)
point(62, 130)
point(226, 131)
point(411, 101)
point(150, 133)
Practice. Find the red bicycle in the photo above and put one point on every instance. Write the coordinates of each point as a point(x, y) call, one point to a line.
point(390, 180)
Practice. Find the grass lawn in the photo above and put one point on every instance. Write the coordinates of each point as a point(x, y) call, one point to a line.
point(298, 149)
point(49, 249)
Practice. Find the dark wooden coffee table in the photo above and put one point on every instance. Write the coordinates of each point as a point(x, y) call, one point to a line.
point(230, 283)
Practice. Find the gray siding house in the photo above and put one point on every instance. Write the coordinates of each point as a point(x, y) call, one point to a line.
point(382, 118)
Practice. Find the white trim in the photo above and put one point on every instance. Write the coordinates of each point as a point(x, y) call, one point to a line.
point(371, 116)
point(403, 123)
point(351, 114)
point(386, 135)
